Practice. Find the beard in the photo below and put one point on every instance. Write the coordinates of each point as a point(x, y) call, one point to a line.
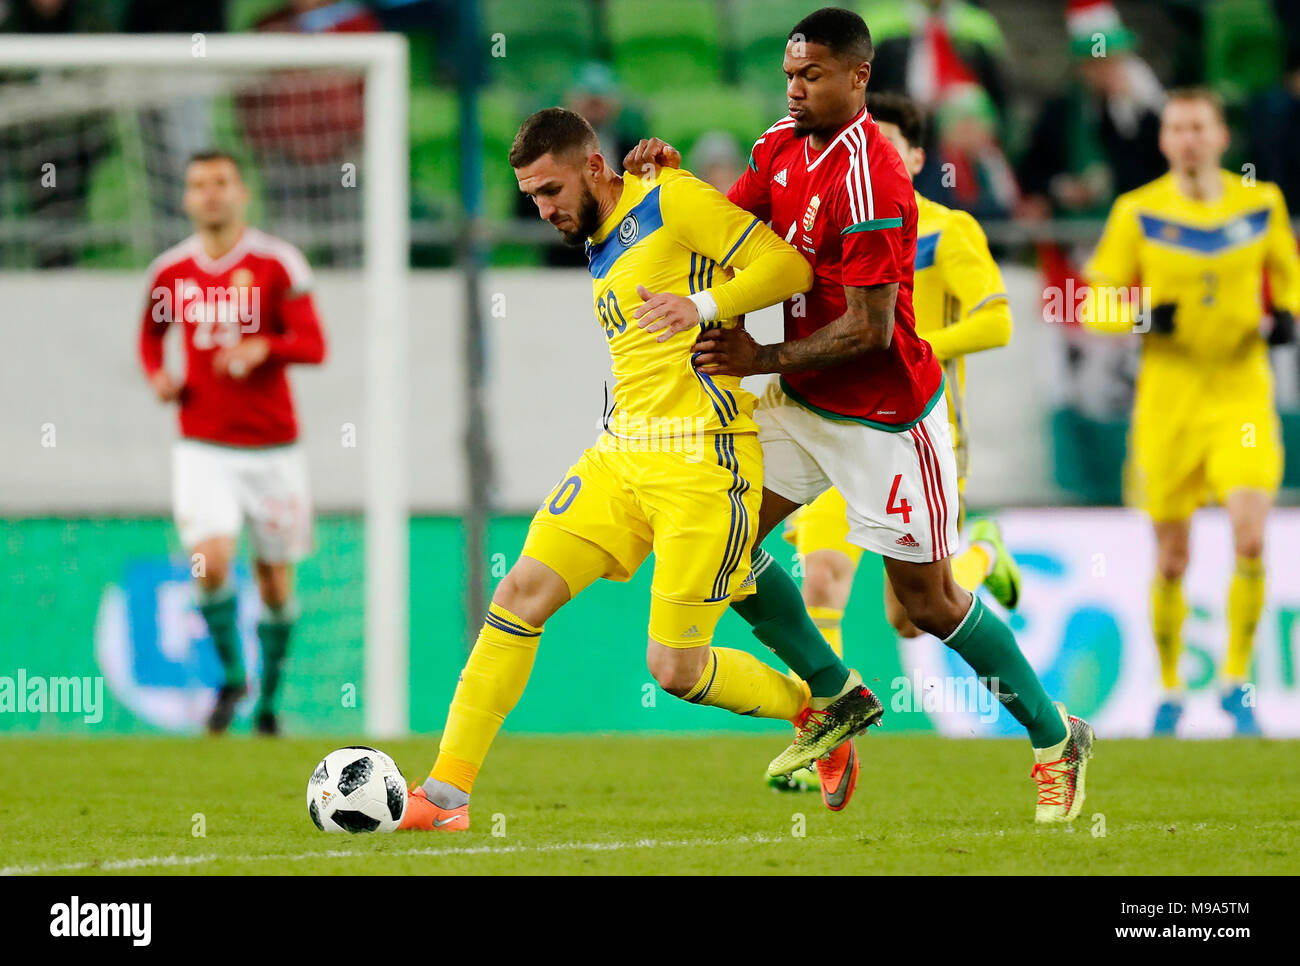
point(588, 221)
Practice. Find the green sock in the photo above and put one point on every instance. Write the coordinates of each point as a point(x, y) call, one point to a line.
point(989, 647)
point(274, 637)
point(220, 609)
point(778, 617)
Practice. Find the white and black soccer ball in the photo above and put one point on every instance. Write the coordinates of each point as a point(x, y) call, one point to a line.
point(356, 789)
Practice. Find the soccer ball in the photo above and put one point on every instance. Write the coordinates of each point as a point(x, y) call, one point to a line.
point(356, 789)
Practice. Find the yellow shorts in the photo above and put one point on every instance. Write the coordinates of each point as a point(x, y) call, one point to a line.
point(1188, 455)
point(698, 516)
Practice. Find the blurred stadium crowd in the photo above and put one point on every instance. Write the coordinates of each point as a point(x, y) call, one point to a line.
point(1040, 114)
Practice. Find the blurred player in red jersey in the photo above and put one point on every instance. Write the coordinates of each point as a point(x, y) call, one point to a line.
point(245, 304)
point(855, 404)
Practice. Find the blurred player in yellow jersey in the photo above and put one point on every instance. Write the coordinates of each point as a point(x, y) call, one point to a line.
point(677, 470)
point(1199, 241)
point(961, 307)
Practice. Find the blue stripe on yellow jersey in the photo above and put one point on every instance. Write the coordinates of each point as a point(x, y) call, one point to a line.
point(677, 234)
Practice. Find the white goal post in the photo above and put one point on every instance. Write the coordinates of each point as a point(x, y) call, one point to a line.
point(384, 182)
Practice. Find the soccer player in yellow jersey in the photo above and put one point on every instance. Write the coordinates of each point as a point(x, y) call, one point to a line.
point(678, 469)
point(961, 307)
point(1199, 241)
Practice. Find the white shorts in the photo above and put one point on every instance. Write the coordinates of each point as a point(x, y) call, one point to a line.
point(901, 488)
point(215, 489)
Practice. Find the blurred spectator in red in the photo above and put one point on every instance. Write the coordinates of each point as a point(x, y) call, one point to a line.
point(927, 48)
point(967, 168)
point(1099, 138)
point(716, 158)
point(303, 126)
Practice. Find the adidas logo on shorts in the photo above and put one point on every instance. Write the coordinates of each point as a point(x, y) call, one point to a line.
point(907, 540)
point(691, 631)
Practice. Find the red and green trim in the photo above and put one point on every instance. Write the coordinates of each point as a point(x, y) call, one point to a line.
point(874, 225)
point(886, 427)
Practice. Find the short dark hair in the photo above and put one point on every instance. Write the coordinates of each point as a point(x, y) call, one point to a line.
point(215, 154)
point(1207, 94)
point(843, 31)
point(903, 112)
point(553, 131)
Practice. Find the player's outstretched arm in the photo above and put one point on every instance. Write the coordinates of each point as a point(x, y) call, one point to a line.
point(766, 269)
point(867, 325)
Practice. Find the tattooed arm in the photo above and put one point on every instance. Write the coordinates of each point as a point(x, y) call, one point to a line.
point(867, 325)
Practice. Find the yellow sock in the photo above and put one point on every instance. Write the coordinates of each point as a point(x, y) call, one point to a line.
point(740, 682)
point(828, 620)
point(489, 688)
point(1245, 603)
point(970, 567)
point(1168, 610)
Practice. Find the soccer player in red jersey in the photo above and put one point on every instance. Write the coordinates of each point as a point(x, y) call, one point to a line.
point(243, 300)
point(854, 406)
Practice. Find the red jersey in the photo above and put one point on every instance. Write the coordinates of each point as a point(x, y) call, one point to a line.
point(850, 209)
point(262, 286)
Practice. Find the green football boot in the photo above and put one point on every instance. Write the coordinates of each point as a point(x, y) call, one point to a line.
point(819, 730)
point(1003, 580)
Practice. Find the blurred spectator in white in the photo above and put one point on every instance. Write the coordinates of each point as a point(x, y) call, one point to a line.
point(967, 168)
point(71, 141)
point(1099, 138)
point(716, 158)
point(928, 48)
point(303, 127)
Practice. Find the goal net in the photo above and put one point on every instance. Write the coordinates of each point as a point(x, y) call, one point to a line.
point(95, 133)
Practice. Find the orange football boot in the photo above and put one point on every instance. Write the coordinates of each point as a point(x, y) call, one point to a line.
point(838, 772)
point(425, 815)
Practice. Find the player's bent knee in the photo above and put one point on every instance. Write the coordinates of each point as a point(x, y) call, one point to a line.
point(676, 669)
point(210, 563)
point(1172, 566)
point(532, 590)
point(827, 579)
point(1250, 545)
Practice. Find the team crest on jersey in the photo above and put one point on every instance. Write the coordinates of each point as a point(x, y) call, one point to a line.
point(781, 177)
point(1170, 232)
point(628, 230)
point(1238, 230)
point(810, 215)
point(241, 278)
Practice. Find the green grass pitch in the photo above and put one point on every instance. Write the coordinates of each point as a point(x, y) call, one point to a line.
point(628, 805)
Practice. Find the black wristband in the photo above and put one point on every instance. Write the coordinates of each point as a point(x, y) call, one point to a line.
point(1162, 318)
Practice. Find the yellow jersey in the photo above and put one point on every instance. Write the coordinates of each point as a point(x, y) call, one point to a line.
point(1208, 258)
point(959, 298)
point(678, 234)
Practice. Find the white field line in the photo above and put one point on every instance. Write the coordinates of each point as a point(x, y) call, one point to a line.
point(181, 861)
